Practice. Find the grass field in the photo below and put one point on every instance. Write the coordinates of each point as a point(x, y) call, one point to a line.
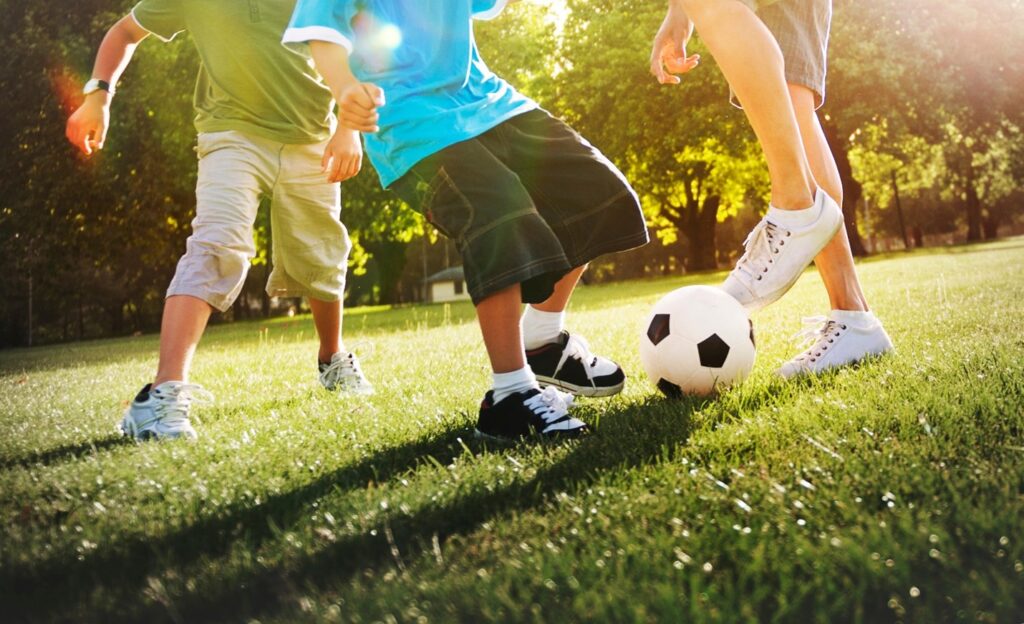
point(893, 491)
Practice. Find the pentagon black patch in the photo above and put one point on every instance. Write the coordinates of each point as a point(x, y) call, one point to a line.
point(712, 351)
point(658, 330)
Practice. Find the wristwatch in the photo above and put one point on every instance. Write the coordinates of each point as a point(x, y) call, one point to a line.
point(95, 85)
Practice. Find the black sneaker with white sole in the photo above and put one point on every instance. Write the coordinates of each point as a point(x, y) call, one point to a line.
point(568, 364)
point(542, 413)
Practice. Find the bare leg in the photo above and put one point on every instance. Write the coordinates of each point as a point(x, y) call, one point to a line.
point(327, 319)
point(183, 323)
point(835, 262)
point(498, 315)
point(736, 36)
point(563, 291)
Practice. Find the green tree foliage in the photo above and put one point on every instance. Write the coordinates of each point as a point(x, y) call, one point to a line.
point(924, 98)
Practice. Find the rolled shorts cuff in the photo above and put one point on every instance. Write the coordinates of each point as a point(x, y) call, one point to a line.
point(216, 301)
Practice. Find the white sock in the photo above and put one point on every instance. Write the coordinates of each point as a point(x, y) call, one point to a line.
point(861, 320)
point(541, 328)
point(797, 219)
point(510, 383)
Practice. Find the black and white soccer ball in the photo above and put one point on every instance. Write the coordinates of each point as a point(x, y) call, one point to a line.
point(697, 340)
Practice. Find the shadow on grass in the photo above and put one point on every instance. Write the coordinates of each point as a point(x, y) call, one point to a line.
point(665, 423)
point(65, 452)
point(120, 571)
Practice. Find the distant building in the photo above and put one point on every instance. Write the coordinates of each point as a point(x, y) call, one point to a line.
point(447, 285)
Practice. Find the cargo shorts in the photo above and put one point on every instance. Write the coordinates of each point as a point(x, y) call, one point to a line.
point(309, 244)
point(525, 202)
point(801, 28)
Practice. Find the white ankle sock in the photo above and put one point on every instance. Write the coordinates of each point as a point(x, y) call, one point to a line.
point(541, 328)
point(509, 383)
point(795, 219)
point(854, 318)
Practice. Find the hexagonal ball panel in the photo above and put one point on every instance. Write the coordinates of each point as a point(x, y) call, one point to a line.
point(658, 329)
point(712, 351)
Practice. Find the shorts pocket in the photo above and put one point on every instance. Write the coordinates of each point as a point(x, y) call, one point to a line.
point(446, 207)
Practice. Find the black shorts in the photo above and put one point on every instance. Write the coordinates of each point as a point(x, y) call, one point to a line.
point(525, 202)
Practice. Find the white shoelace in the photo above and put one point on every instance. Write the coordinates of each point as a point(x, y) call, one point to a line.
point(759, 249)
point(345, 371)
point(821, 333)
point(578, 347)
point(173, 404)
point(551, 404)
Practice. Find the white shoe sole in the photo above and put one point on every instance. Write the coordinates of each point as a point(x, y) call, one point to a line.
point(585, 391)
point(757, 303)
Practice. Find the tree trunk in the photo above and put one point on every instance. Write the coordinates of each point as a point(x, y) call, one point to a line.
point(973, 206)
point(990, 227)
point(852, 189)
point(701, 234)
point(390, 257)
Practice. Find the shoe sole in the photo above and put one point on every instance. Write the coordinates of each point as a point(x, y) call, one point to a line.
point(562, 435)
point(763, 302)
point(585, 391)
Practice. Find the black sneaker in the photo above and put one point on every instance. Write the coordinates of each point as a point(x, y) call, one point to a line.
point(523, 414)
point(568, 364)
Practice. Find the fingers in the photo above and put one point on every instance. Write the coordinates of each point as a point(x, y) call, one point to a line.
point(670, 59)
point(358, 107)
point(101, 136)
point(345, 167)
point(375, 93)
point(358, 118)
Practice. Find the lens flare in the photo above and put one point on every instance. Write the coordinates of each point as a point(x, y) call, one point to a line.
point(388, 36)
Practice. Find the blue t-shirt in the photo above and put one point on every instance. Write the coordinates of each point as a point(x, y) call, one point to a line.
point(437, 89)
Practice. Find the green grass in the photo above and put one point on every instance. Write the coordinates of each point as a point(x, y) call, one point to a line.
point(890, 491)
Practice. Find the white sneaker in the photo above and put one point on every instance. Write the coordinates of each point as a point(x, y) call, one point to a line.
point(162, 412)
point(835, 343)
point(774, 257)
point(344, 375)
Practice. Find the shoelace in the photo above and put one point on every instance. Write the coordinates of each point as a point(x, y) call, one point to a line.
point(820, 332)
point(172, 408)
point(344, 370)
point(760, 247)
point(578, 347)
point(551, 405)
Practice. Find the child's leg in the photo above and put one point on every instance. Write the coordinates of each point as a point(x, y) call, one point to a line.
point(184, 321)
point(752, 63)
point(543, 323)
point(835, 262)
point(211, 273)
point(801, 221)
point(498, 315)
point(327, 319)
point(310, 248)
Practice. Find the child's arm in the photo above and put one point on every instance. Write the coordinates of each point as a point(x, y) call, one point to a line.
point(357, 110)
point(668, 54)
point(87, 126)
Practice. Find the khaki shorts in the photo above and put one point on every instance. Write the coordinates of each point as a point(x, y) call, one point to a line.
point(310, 246)
point(801, 28)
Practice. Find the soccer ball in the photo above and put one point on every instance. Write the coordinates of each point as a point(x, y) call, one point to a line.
point(697, 340)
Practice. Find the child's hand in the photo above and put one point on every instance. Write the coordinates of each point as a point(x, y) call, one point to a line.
point(668, 54)
point(87, 126)
point(343, 157)
point(357, 107)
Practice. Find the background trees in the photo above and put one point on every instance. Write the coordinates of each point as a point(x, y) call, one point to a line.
point(923, 104)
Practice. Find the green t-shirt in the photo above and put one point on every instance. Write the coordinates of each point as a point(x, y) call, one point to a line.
point(248, 81)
